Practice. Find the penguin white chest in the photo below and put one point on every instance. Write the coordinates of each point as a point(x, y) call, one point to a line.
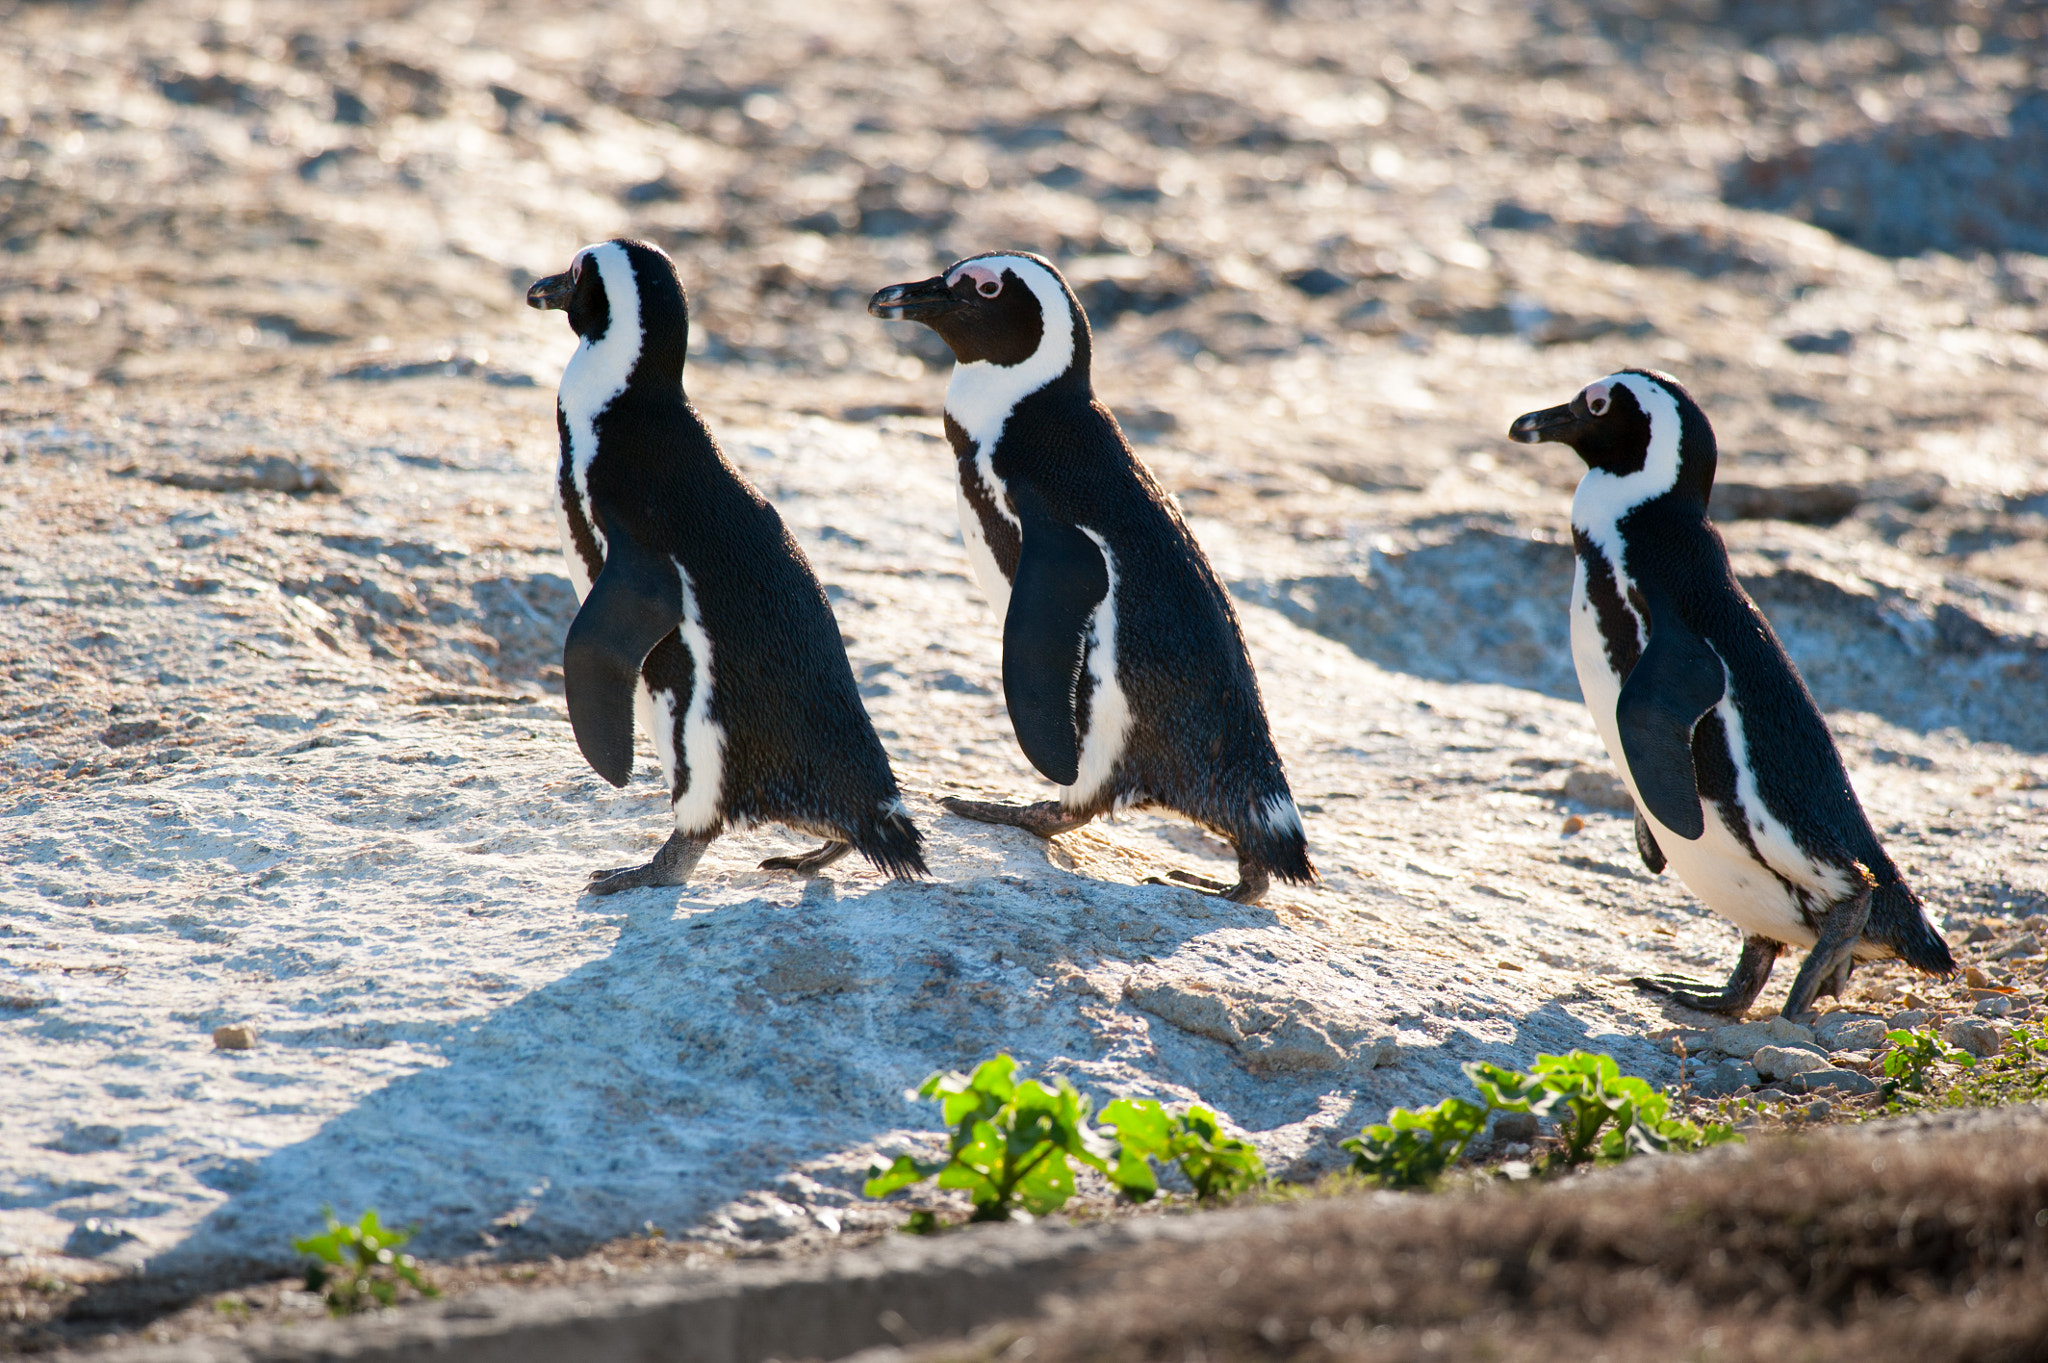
point(579, 571)
point(982, 559)
point(690, 744)
point(1739, 884)
point(1108, 718)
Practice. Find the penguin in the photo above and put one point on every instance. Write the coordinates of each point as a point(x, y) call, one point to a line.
point(1125, 672)
point(1737, 782)
point(699, 614)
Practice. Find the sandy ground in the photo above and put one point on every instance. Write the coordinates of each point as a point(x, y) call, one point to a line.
point(279, 695)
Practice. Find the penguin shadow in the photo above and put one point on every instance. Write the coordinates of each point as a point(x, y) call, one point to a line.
point(1425, 1075)
point(1147, 852)
point(715, 1050)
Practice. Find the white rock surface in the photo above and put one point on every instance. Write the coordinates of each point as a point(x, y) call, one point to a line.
point(1979, 1037)
point(1782, 1062)
point(1851, 1032)
point(1743, 1039)
point(388, 892)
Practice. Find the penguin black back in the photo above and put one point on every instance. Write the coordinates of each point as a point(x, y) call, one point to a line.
point(1737, 779)
point(695, 596)
point(1126, 672)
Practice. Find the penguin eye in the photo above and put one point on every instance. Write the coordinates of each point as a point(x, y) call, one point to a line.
point(986, 282)
point(1597, 401)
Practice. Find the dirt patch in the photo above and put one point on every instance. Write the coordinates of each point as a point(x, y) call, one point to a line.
point(1911, 1245)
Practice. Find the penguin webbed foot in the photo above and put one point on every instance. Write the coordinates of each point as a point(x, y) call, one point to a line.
point(671, 866)
point(1696, 994)
point(809, 863)
point(1188, 878)
point(1251, 887)
point(1752, 972)
point(1046, 818)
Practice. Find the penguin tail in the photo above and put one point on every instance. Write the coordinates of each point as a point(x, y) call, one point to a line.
point(1899, 919)
point(891, 841)
point(1274, 841)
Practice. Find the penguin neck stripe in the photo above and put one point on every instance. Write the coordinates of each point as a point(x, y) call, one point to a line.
point(981, 395)
point(602, 366)
point(1603, 499)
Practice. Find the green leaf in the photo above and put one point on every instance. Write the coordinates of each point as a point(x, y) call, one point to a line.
point(1141, 1125)
point(1413, 1147)
point(1047, 1182)
point(993, 1077)
point(1132, 1175)
point(901, 1174)
point(1216, 1164)
point(1506, 1090)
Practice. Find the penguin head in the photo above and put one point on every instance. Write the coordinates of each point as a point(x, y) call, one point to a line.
point(624, 299)
point(1010, 309)
point(1638, 425)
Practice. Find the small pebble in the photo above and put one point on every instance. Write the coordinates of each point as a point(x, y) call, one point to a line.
point(1975, 978)
point(1818, 1110)
point(1574, 824)
point(1978, 1037)
point(2028, 945)
point(237, 1036)
point(1994, 1007)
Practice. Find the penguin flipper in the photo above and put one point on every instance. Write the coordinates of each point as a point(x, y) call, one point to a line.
point(1061, 579)
point(1678, 679)
point(635, 603)
point(1646, 846)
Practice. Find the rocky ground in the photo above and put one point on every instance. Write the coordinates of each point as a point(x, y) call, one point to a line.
point(279, 694)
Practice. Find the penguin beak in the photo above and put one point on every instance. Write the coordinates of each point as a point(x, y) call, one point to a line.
point(1552, 423)
point(925, 301)
point(552, 292)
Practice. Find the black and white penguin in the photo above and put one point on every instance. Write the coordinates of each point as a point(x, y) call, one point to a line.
point(699, 613)
point(1126, 674)
point(1736, 779)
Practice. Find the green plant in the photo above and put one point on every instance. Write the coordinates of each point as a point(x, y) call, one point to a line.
point(2026, 1044)
point(359, 1264)
point(1913, 1056)
point(2017, 1074)
point(1011, 1142)
point(1608, 1115)
point(1411, 1149)
point(1216, 1165)
point(1601, 1114)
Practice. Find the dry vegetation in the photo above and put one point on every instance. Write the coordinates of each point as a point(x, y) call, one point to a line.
point(1908, 1246)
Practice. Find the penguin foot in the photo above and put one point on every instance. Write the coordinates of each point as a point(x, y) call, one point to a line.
point(1045, 818)
point(1752, 972)
point(671, 866)
point(1694, 993)
point(1251, 886)
point(1250, 889)
point(810, 863)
